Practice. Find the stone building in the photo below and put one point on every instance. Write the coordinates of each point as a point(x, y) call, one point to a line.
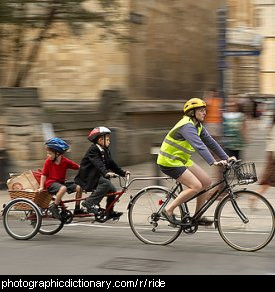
point(265, 24)
point(242, 75)
point(137, 89)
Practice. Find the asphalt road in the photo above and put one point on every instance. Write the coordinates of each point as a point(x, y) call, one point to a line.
point(112, 249)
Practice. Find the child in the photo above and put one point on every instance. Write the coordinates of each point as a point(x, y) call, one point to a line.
point(95, 170)
point(54, 175)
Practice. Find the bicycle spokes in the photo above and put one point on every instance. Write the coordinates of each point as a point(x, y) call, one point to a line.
point(243, 227)
point(145, 219)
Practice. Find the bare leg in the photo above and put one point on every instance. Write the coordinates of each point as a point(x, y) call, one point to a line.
point(78, 195)
point(60, 194)
point(204, 179)
point(195, 179)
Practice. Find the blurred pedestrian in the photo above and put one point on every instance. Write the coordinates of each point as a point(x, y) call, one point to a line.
point(257, 109)
point(234, 128)
point(268, 176)
point(213, 119)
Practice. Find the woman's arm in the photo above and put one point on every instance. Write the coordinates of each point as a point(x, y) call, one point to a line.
point(213, 145)
point(189, 133)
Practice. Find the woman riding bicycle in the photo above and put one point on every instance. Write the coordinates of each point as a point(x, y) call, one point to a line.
point(174, 158)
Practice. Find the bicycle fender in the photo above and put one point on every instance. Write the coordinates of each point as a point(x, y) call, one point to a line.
point(217, 209)
point(223, 199)
point(21, 200)
point(146, 189)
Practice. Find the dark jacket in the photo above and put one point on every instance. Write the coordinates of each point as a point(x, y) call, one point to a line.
point(94, 164)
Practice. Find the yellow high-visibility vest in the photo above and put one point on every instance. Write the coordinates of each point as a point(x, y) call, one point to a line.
point(176, 153)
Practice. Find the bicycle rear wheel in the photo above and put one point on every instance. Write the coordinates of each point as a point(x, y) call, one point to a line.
point(21, 219)
point(146, 222)
point(242, 227)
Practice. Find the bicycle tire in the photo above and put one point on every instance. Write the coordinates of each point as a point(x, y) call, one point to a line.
point(22, 219)
point(248, 236)
point(50, 225)
point(146, 227)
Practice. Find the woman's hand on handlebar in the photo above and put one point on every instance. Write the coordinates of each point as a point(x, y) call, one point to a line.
point(220, 163)
point(232, 158)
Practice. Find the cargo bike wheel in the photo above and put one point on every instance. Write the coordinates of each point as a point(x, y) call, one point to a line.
point(22, 219)
point(49, 224)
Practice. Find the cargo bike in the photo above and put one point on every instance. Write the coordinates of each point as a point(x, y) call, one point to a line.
point(28, 214)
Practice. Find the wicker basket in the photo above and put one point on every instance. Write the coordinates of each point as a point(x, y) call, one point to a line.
point(41, 199)
point(246, 173)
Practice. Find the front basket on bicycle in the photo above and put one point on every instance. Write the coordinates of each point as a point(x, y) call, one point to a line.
point(246, 173)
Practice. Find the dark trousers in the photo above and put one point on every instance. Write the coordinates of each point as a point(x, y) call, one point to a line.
point(104, 187)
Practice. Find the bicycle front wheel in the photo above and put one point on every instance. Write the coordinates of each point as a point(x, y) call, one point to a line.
point(145, 219)
point(242, 226)
point(21, 219)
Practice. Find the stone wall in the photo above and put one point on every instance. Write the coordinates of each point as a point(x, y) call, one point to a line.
point(22, 117)
point(176, 53)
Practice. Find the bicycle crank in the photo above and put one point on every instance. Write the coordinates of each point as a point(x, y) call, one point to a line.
point(66, 216)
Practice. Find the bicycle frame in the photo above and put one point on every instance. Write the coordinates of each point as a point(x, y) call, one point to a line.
point(117, 195)
point(226, 188)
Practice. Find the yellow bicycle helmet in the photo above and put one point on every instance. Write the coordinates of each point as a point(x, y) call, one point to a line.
point(192, 104)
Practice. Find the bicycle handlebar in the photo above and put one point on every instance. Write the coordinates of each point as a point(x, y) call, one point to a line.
point(232, 162)
point(127, 182)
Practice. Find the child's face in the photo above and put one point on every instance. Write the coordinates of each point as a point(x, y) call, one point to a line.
point(50, 155)
point(105, 143)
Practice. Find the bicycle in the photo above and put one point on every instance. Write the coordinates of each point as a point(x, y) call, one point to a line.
point(241, 227)
point(23, 217)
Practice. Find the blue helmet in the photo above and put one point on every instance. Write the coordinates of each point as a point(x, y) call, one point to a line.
point(57, 144)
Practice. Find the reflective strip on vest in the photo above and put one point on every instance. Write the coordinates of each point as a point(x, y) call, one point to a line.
point(173, 157)
point(177, 146)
